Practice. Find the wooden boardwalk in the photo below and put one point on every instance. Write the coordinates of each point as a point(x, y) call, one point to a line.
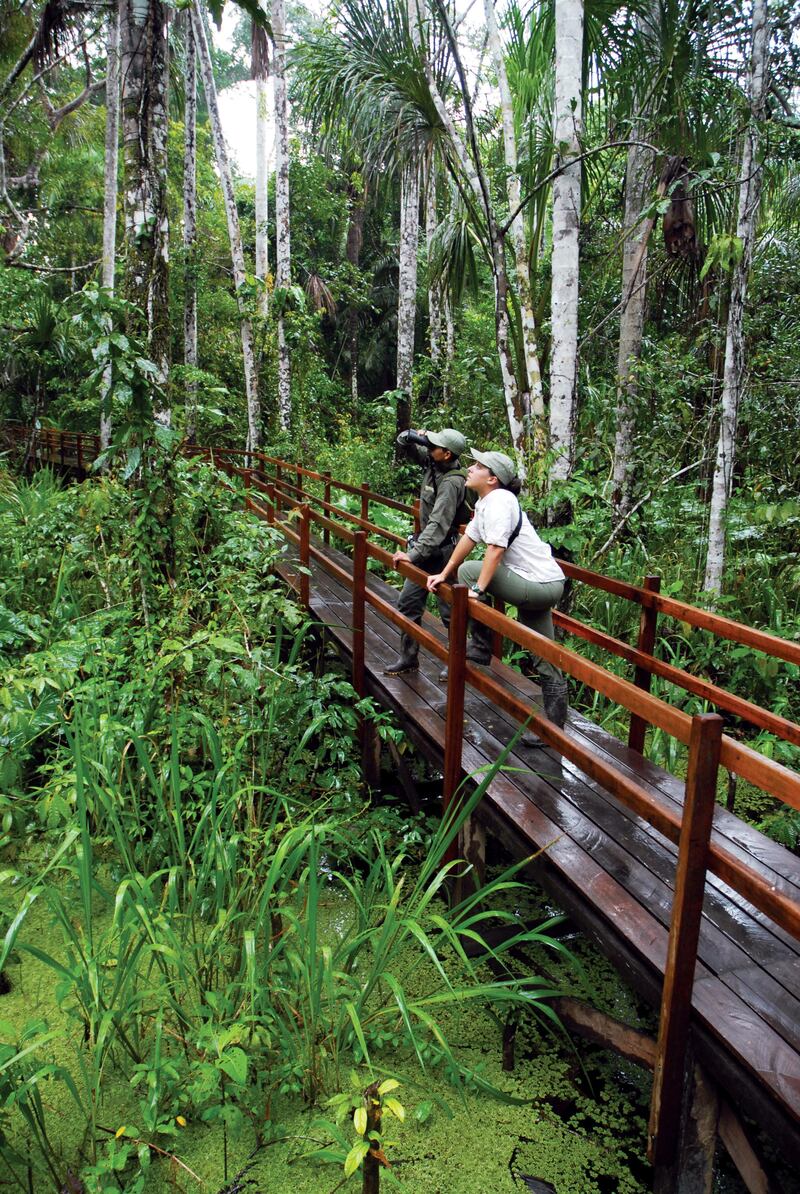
point(697, 910)
point(612, 871)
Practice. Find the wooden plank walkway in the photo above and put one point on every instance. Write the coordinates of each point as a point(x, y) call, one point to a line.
point(611, 870)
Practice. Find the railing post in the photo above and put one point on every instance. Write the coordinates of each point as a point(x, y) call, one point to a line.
point(417, 523)
point(359, 606)
point(454, 719)
point(684, 933)
point(642, 678)
point(62, 455)
point(272, 509)
point(79, 450)
point(365, 502)
point(497, 635)
point(298, 477)
point(326, 535)
point(305, 557)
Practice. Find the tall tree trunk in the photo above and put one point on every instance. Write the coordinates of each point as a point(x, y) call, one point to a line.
point(532, 397)
point(566, 224)
point(631, 324)
point(636, 233)
point(749, 199)
point(407, 290)
point(190, 356)
point(145, 89)
point(449, 347)
point(110, 190)
point(260, 71)
point(237, 256)
point(472, 167)
point(434, 290)
point(357, 194)
point(283, 271)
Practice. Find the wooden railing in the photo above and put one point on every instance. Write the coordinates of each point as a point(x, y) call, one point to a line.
point(270, 494)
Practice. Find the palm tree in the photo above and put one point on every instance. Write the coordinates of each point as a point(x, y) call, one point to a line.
point(110, 184)
point(368, 77)
point(747, 220)
point(568, 130)
point(190, 354)
point(283, 272)
point(145, 83)
point(234, 234)
point(260, 72)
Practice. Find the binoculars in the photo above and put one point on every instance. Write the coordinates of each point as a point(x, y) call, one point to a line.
point(414, 437)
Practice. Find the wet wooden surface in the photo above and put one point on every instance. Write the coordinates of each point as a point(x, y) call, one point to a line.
point(616, 870)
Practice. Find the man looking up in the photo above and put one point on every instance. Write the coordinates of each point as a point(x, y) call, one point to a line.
point(442, 510)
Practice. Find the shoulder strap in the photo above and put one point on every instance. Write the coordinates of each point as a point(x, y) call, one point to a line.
point(516, 530)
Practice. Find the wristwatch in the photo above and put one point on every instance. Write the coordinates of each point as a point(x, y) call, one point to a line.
point(476, 588)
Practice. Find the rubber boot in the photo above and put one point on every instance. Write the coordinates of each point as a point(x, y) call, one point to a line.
point(408, 659)
point(555, 693)
point(479, 647)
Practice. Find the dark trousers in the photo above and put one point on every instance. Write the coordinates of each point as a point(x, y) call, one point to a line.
point(413, 599)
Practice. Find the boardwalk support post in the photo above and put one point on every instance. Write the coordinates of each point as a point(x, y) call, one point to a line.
point(305, 556)
point(648, 621)
point(326, 496)
point(369, 739)
point(669, 1079)
point(454, 719)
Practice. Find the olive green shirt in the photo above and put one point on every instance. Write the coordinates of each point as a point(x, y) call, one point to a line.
point(442, 505)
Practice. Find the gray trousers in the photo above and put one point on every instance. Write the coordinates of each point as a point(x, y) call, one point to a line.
point(413, 599)
point(534, 602)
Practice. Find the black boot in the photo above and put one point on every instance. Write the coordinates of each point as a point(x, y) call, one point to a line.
point(479, 647)
point(408, 659)
point(555, 693)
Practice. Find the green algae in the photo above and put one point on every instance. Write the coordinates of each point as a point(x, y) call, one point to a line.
point(576, 1128)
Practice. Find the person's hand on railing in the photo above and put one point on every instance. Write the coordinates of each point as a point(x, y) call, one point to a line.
point(400, 555)
point(435, 580)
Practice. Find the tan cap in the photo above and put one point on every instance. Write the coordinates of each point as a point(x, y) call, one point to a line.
point(448, 438)
point(501, 465)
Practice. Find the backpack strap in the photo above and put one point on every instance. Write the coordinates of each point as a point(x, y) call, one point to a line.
point(516, 530)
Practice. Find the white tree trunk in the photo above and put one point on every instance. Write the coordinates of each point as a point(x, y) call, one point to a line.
point(190, 356)
point(480, 189)
point(631, 324)
point(407, 288)
point(282, 238)
point(262, 163)
point(566, 224)
point(110, 191)
point(237, 256)
point(732, 386)
point(532, 397)
point(449, 347)
point(434, 295)
point(145, 87)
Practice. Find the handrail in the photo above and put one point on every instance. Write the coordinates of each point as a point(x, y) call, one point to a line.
point(765, 773)
point(690, 829)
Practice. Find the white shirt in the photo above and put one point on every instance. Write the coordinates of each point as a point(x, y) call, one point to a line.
point(493, 522)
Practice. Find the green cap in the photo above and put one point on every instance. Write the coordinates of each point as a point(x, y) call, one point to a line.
point(448, 438)
point(501, 465)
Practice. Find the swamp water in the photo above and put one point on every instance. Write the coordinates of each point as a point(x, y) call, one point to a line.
point(579, 1126)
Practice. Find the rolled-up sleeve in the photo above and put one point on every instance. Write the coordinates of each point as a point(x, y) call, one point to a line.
point(499, 519)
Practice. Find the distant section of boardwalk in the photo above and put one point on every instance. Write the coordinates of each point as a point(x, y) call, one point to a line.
point(698, 910)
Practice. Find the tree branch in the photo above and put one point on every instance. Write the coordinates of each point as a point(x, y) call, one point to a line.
point(614, 534)
point(53, 269)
